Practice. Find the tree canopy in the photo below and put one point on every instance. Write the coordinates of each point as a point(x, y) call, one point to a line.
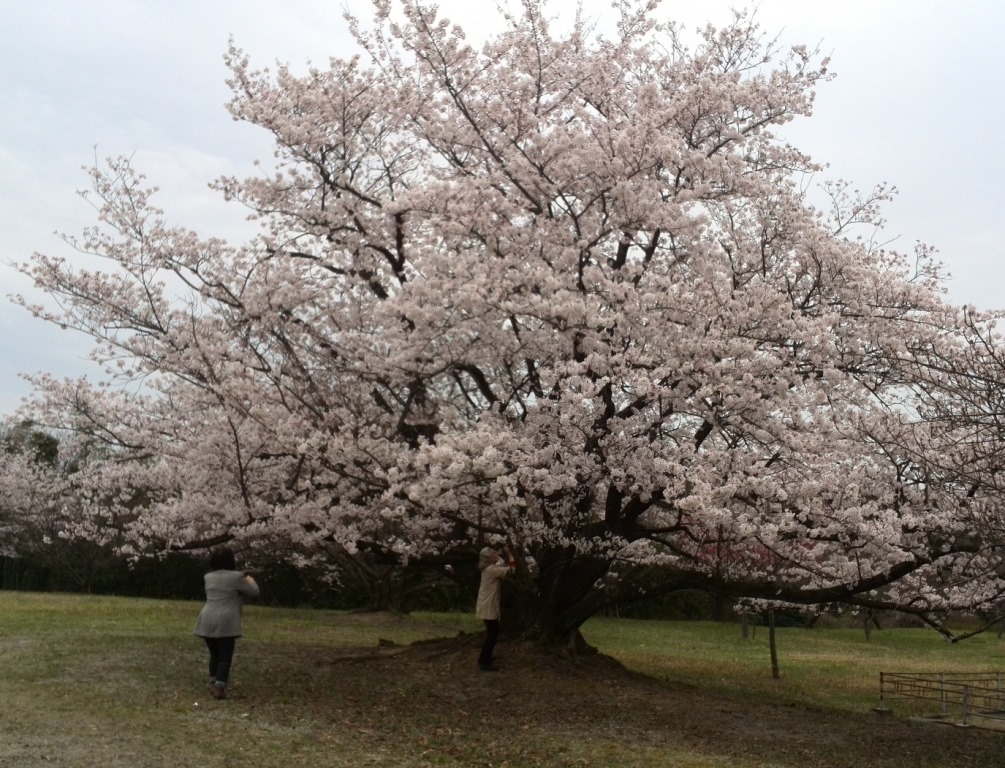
point(566, 290)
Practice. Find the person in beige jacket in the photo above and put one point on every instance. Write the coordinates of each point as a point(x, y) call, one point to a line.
point(487, 608)
point(219, 622)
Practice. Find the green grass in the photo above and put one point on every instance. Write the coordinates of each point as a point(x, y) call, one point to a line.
point(832, 668)
point(104, 681)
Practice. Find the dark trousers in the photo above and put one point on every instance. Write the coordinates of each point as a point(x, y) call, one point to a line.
point(221, 656)
point(489, 646)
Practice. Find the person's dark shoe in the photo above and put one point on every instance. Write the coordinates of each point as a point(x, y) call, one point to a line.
point(488, 667)
point(219, 692)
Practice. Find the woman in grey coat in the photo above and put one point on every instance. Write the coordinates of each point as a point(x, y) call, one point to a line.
point(219, 622)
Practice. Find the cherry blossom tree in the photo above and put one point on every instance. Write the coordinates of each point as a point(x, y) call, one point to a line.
point(564, 290)
point(47, 515)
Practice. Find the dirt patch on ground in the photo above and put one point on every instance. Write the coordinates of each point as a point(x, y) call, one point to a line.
point(433, 694)
point(82, 691)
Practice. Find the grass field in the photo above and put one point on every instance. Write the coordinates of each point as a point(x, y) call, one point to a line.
point(101, 681)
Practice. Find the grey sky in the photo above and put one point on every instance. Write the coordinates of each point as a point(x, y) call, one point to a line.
point(917, 102)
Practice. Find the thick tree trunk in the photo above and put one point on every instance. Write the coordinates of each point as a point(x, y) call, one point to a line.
point(550, 609)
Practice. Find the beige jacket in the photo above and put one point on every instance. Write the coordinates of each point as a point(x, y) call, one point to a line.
point(490, 591)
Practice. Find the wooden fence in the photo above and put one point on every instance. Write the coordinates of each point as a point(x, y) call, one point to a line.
point(962, 698)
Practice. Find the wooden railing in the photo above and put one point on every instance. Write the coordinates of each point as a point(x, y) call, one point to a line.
point(959, 697)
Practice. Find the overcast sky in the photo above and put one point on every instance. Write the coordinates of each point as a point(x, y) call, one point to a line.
point(917, 102)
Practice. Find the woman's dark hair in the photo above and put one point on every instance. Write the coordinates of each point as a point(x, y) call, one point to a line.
point(222, 559)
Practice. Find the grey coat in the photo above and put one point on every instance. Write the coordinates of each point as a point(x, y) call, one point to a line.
point(221, 616)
